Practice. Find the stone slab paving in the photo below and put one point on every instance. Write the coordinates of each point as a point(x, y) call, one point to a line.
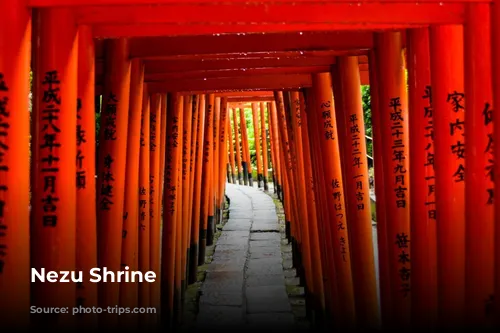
point(245, 284)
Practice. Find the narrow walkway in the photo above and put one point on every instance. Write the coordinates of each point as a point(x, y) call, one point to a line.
point(245, 283)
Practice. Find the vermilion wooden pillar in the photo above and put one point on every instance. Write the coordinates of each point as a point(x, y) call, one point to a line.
point(163, 148)
point(246, 163)
point(317, 262)
point(129, 291)
point(86, 241)
point(265, 152)
point(144, 200)
point(422, 181)
point(448, 101)
point(232, 170)
point(274, 141)
point(239, 151)
point(186, 181)
point(53, 232)
point(15, 46)
point(382, 241)
point(256, 133)
point(111, 167)
point(195, 118)
point(479, 255)
point(295, 125)
point(358, 194)
point(495, 63)
point(154, 189)
point(298, 212)
point(222, 155)
point(206, 176)
point(288, 168)
point(339, 113)
point(170, 205)
point(196, 220)
point(325, 114)
point(394, 126)
point(180, 224)
point(319, 196)
point(213, 208)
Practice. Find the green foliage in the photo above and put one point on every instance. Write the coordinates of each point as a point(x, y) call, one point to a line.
point(367, 114)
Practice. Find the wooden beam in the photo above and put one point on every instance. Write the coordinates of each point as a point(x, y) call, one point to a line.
point(238, 72)
point(244, 94)
point(158, 47)
point(244, 87)
point(76, 3)
point(176, 30)
point(273, 15)
point(250, 99)
point(207, 64)
point(268, 82)
point(162, 66)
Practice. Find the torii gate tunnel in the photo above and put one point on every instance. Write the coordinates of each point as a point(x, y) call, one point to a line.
point(142, 188)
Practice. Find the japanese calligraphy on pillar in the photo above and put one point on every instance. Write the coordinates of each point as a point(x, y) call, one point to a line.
point(185, 148)
point(357, 160)
point(457, 127)
point(110, 114)
point(49, 160)
point(222, 136)
point(297, 112)
point(107, 184)
point(172, 189)
point(402, 242)
point(339, 215)
point(206, 146)
point(327, 121)
point(143, 200)
point(81, 179)
point(143, 191)
point(429, 163)
point(488, 119)
point(124, 232)
point(4, 116)
point(398, 156)
point(215, 123)
point(184, 154)
point(152, 149)
point(194, 146)
point(109, 135)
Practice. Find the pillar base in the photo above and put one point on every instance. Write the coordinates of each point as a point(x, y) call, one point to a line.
point(266, 186)
point(193, 264)
point(203, 247)
point(177, 315)
point(245, 173)
point(167, 318)
point(259, 180)
point(287, 231)
point(183, 291)
point(188, 255)
point(279, 192)
point(295, 256)
point(210, 231)
point(250, 179)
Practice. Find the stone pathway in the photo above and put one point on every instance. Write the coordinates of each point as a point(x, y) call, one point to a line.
point(245, 282)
